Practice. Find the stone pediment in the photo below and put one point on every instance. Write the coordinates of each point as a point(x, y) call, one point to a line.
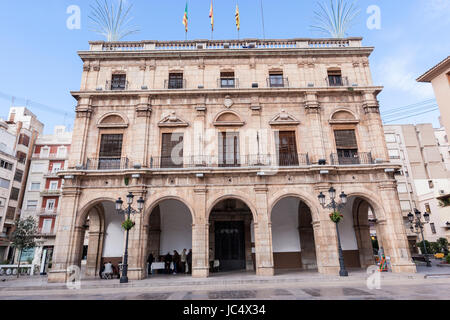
point(284, 118)
point(172, 120)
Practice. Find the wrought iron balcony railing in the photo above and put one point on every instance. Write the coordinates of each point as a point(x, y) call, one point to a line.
point(283, 160)
point(351, 159)
point(175, 84)
point(337, 81)
point(277, 82)
point(107, 163)
point(228, 83)
point(116, 85)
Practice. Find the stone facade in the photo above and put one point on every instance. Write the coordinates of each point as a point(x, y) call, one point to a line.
point(256, 108)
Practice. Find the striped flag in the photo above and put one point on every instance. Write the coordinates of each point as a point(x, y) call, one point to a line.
point(238, 18)
point(185, 18)
point(211, 15)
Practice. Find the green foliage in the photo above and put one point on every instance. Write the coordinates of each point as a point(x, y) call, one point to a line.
point(336, 217)
point(336, 19)
point(447, 259)
point(111, 21)
point(23, 236)
point(128, 224)
point(427, 245)
point(445, 202)
point(435, 247)
point(443, 242)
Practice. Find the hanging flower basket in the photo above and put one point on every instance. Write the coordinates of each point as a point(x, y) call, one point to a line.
point(336, 217)
point(128, 224)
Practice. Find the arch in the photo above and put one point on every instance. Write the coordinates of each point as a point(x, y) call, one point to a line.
point(303, 197)
point(84, 211)
point(373, 200)
point(232, 196)
point(148, 211)
point(113, 120)
point(343, 115)
point(228, 118)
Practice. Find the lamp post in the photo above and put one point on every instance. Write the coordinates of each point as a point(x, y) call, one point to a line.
point(128, 211)
point(418, 226)
point(336, 206)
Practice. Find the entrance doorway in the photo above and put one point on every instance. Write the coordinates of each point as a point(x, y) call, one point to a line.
point(231, 237)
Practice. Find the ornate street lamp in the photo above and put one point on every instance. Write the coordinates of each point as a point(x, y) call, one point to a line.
point(127, 226)
point(417, 226)
point(336, 206)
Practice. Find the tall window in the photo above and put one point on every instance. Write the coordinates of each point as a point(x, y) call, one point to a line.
point(24, 140)
point(14, 194)
point(4, 183)
point(21, 157)
point(175, 81)
point(6, 165)
point(433, 228)
point(335, 78)
point(18, 176)
point(286, 148)
point(172, 150)
point(229, 155)
point(119, 82)
point(110, 151)
point(227, 80)
point(346, 146)
point(32, 204)
point(276, 79)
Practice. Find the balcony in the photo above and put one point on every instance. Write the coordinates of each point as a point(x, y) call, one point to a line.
point(51, 192)
point(47, 212)
point(46, 233)
point(50, 156)
point(228, 83)
point(351, 159)
point(52, 173)
point(116, 85)
point(337, 81)
point(175, 84)
point(277, 82)
point(192, 162)
point(107, 163)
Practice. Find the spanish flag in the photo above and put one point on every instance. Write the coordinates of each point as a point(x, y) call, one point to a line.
point(211, 15)
point(185, 18)
point(238, 18)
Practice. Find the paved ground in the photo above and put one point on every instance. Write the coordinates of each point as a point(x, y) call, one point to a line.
point(427, 284)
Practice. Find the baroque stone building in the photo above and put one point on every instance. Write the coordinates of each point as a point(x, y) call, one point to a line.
point(229, 143)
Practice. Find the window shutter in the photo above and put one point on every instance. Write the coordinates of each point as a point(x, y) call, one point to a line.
point(345, 139)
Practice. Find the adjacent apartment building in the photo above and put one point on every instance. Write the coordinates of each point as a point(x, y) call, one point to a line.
point(423, 181)
point(19, 134)
point(229, 143)
point(43, 190)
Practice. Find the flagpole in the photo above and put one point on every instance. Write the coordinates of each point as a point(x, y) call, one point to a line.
point(262, 17)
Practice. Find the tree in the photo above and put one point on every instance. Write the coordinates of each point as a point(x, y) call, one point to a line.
point(336, 19)
point(428, 247)
point(23, 236)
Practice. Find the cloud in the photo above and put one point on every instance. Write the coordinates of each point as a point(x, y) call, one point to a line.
point(398, 73)
point(437, 11)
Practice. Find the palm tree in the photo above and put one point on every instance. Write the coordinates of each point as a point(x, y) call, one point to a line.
point(336, 19)
point(111, 21)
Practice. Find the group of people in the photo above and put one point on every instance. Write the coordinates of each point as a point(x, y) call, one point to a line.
point(109, 271)
point(176, 263)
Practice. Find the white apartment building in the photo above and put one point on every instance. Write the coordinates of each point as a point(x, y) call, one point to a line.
point(423, 182)
point(43, 190)
point(19, 133)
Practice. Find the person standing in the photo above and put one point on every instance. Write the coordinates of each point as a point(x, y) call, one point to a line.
point(183, 260)
point(189, 260)
point(176, 261)
point(150, 261)
point(211, 260)
point(167, 261)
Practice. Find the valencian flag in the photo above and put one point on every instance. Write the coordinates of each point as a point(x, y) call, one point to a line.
point(211, 15)
point(185, 18)
point(238, 18)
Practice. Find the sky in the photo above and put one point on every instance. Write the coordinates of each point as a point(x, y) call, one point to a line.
point(40, 65)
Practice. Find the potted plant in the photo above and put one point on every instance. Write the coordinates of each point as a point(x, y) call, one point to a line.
point(128, 225)
point(336, 217)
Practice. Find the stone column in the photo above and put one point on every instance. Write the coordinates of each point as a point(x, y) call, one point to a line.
point(316, 147)
point(248, 246)
point(69, 237)
point(141, 129)
point(392, 230)
point(325, 237)
point(263, 235)
point(200, 236)
point(306, 233)
point(365, 248)
point(94, 255)
point(374, 126)
point(80, 131)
